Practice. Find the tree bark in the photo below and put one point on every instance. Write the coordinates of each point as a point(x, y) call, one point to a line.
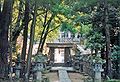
point(40, 48)
point(107, 34)
point(5, 20)
point(108, 53)
point(118, 60)
point(32, 33)
point(44, 27)
point(0, 9)
point(25, 32)
point(25, 35)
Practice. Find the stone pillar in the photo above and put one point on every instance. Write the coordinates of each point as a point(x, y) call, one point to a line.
point(98, 69)
point(98, 76)
point(39, 67)
point(51, 54)
point(67, 54)
point(39, 76)
point(69, 34)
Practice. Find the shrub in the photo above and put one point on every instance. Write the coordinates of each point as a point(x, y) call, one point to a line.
point(113, 80)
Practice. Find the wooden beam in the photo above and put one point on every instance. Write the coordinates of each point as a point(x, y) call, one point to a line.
point(60, 45)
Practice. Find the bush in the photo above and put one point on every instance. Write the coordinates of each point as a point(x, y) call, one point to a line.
point(113, 80)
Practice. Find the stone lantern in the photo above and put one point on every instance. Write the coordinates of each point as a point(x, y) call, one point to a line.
point(40, 60)
point(98, 62)
point(98, 69)
point(38, 69)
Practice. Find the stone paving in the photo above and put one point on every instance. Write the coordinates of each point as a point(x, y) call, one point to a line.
point(63, 76)
point(65, 68)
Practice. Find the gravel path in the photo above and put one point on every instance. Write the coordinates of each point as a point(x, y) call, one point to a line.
point(76, 77)
point(53, 77)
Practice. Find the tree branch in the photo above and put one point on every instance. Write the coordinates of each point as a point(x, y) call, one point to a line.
point(53, 29)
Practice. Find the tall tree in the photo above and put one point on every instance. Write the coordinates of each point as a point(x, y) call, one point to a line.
point(32, 33)
point(25, 27)
point(44, 34)
point(25, 24)
point(49, 15)
point(5, 21)
point(107, 34)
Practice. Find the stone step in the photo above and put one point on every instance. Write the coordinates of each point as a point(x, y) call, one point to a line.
point(63, 76)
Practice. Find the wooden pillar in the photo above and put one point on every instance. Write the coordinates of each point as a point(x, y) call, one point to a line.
point(66, 54)
point(51, 53)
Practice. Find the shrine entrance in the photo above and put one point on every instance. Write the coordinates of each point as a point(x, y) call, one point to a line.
point(60, 53)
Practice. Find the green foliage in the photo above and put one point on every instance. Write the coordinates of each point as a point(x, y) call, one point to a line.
point(48, 4)
point(95, 41)
point(38, 32)
point(96, 59)
point(40, 58)
point(86, 29)
point(68, 27)
point(113, 80)
point(53, 35)
point(115, 3)
point(61, 9)
point(83, 18)
point(115, 52)
point(85, 6)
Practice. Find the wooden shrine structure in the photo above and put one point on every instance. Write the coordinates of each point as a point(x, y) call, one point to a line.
point(67, 50)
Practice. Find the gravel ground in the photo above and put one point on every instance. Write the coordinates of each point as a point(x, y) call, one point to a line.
point(53, 77)
point(76, 77)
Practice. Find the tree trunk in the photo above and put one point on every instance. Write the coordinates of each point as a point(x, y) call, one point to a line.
point(0, 9)
point(45, 34)
point(10, 53)
point(5, 20)
point(32, 33)
point(107, 34)
point(25, 34)
point(40, 41)
point(108, 53)
point(44, 27)
point(118, 60)
point(43, 40)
